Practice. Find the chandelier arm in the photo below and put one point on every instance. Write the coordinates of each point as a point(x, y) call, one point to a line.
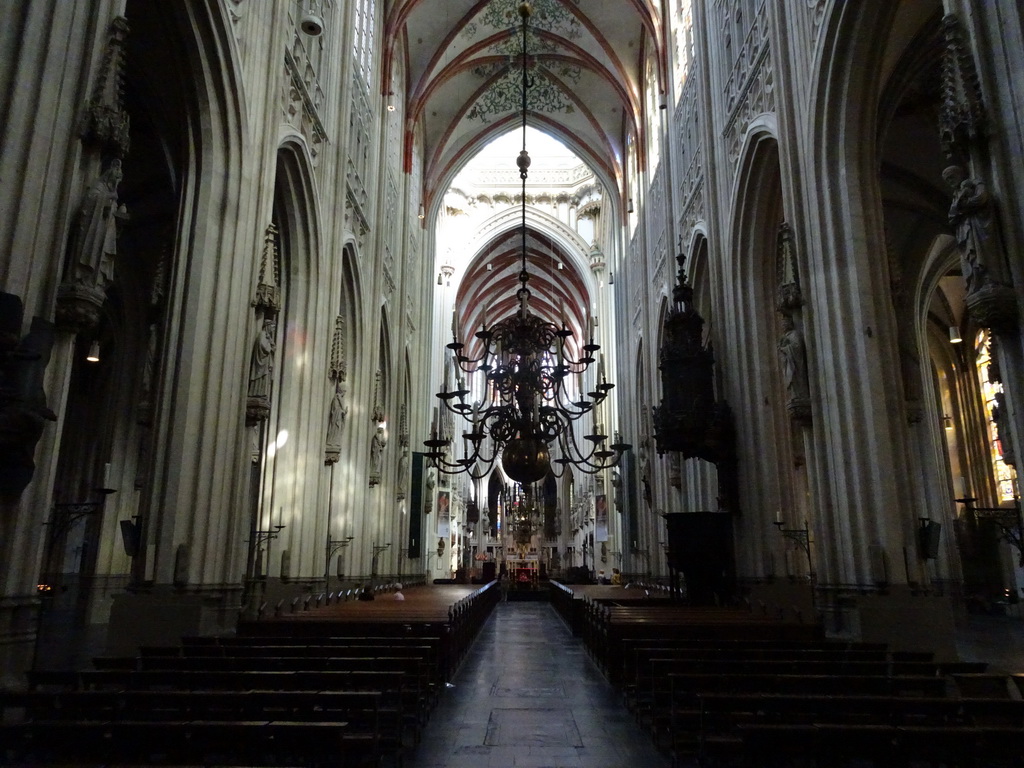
point(582, 461)
point(573, 410)
point(575, 453)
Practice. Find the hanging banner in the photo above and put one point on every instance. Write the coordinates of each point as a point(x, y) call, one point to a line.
point(444, 512)
point(601, 518)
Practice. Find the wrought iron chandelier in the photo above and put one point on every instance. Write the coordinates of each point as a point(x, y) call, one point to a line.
point(528, 405)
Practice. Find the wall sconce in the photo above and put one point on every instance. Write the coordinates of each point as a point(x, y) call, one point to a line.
point(954, 335)
point(629, 205)
point(611, 278)
point(947, 422)
point(94, 353)
point(422, 213)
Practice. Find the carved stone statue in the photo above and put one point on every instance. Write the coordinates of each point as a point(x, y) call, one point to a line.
point(991, 302)
point(335, 422)
point(95, 241)
point(645, 472)
point(377, 446)
point(793, 355)
point(262, 364)
point(971, 217)
point(403, 473)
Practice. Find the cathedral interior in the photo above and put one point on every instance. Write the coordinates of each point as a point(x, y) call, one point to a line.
point(716, 296)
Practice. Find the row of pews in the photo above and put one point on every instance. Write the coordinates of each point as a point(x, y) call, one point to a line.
point(727, 687)
point(350, 684)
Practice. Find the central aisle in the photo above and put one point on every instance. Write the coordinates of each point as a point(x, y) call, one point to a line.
point(528, 696)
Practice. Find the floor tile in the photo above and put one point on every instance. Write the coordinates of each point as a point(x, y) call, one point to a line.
point(528, 696)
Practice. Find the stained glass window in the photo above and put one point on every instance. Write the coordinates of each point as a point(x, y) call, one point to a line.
point(992, 394)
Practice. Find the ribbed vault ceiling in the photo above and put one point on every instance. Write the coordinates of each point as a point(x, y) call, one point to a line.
point(463, 66)
point(492, 280)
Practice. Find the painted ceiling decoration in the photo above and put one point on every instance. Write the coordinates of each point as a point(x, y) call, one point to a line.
point(461, 59)
point(546, 94)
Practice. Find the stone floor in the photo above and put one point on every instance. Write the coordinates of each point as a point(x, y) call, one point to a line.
point(528, 696)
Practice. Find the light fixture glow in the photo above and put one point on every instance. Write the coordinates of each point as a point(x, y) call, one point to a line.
point(947, 422)
point(94, 353)
point(954, 335)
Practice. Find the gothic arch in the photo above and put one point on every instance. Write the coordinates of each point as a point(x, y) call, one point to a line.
point(870, 514)
point(755, 380)
point(197, 163)
point(290, 494)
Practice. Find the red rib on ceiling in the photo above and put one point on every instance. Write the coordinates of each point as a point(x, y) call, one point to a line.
point(551, 289)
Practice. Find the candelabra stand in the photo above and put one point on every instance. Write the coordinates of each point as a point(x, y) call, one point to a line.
point(802, 537)
point(259, 539)
point(333, 547)
point(403, 555)
point(63, 518)
point(646, 555)
point(377, 549)
point(1007, 519)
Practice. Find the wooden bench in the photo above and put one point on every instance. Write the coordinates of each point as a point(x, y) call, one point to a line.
point(206, 742)
point(765, 745)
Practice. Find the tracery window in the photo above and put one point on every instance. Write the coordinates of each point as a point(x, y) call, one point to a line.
point(365, 28)
point(992, 391)
point(682, 32)
point(633, 179)
point(653, 114)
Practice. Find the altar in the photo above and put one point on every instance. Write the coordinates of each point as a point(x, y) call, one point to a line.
point(523, 573)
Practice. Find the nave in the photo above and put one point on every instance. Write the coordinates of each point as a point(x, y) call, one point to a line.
point(529, 696)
